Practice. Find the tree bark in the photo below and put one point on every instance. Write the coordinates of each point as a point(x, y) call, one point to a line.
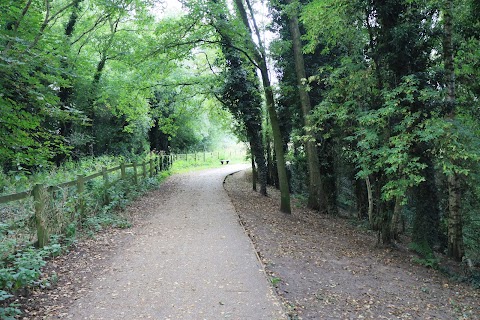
point(259, 156)
point(66, 92)
point(72, 21)
point(254, 170)
point(277, 142)
point(17, 25)
point(316, 196)
point(370, 201)
point(427, 217)
point(250, 115)
point(396, 226)
point(455, 246)
point(270, 167)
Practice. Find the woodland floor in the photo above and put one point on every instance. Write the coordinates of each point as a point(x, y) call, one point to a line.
point(322, 267)
point(325, 267)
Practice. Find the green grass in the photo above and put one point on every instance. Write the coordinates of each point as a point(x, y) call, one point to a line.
point(206, 161)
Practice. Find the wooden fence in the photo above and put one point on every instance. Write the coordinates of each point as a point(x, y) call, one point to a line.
point(40, 192)
point(204, 156)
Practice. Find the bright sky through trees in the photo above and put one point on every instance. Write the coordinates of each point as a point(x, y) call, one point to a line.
point(169, 8)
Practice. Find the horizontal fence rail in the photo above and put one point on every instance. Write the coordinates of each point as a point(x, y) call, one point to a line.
point(40, 192)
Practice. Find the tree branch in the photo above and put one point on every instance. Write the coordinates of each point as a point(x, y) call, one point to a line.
point(208, 62)
point(47, 20)
point(97, 23)
point(17, 25)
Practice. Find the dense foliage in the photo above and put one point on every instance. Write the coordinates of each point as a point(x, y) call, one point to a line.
point(389, 109)
point(394, 115)
point(376, 106)
point(88, 77)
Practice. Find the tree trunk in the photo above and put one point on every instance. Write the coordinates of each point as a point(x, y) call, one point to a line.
point(455, 224)
point(261, 61)
point(270, 167)
point(396, 226)
point(250, 113)
point(72, 21)
point(427, 216)
point(66, 92)
point(16, 25)
point(254, 171)
point(370, 201)
point(455, 247)
point(259, 157)
point(361, 198)
point(316, 196)
point(277, 143)
point(329, 176)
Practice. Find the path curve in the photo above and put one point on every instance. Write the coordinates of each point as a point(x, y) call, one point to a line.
point(190, 260)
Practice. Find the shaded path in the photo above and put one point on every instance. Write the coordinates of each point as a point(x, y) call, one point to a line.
point(190, 260)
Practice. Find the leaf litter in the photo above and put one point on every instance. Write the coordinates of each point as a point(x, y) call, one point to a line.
point(324, 267)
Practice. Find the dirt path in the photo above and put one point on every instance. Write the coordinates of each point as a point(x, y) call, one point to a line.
point(328, 268)
point(190, 259)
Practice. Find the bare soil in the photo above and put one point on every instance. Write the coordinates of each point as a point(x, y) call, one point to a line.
point(326, 267)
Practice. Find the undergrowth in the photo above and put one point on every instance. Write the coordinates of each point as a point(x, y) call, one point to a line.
point(21, 262)
point(426, 256)
point(21, 271)
point(22, 179)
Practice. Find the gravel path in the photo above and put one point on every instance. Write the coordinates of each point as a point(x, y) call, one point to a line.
point(190, 260)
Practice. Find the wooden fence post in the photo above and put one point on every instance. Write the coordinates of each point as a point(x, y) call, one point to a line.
point(135, 171)
point(204, 156)
point(123, 173)
point(105, 184)
point(105, 176)
point(144, 168)
point(81, 198)
point(39, 202)
point(151, 167)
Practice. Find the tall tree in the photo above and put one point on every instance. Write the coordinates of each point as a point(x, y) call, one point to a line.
point(316, 197)
point(455, 223)
point(260, 56)
point(240, 95)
